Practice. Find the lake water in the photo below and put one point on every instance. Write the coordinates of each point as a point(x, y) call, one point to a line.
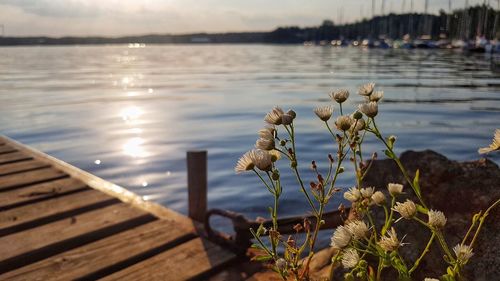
point(129, 115)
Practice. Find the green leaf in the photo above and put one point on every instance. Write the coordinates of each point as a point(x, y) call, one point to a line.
point(416, 184)
point(421, 209)
point(260, 230)
point(262, 258)
point(389, 154)
point(256, 246)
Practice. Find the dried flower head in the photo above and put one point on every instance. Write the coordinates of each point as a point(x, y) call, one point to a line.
point(245, 163)
point(287, 119)
point(378, 197)
point(353, 194)
point(437, 219)
point(370, 109)
point(407, 210)
point(281, 264)
point(366, 89)
point(344, 122)
point(350, 258)
point(358, 229)
point(390, 242)
point(358, 125)
point(340, 238)
point(376, 96)
point(494, 146)
point(324, 112)
point(367, 192)
point(395, 188)
point(463, 253)
point(340, 95)
point(274, 116)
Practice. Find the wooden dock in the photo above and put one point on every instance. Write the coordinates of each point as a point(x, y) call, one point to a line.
point(58, 222)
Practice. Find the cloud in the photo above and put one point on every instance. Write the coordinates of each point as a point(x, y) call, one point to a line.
point(55, 8)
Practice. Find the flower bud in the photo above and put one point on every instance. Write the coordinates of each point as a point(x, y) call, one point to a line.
point(282, 142)
point(276, 175)
point(293, 164)
point(286, 119)
point(291, 113)
point(357, 115)
point(341, 170)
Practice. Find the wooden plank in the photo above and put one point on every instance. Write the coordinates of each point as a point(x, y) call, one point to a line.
point(30, 177)
point(107, 255)
point(71, 204)
point(197, 184)
point(22, 248)
point(38, 192)
point(105, 186)
point(6, 149)
point(22, 166)
point(13, 157)
point(193, 259)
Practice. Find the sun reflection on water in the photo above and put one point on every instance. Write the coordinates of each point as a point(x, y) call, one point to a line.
point(131, 113)
point(134, 147)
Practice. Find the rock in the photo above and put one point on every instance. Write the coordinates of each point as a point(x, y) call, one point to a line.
point(459, 189)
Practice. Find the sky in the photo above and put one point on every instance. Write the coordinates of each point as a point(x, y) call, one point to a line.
point(133, 17)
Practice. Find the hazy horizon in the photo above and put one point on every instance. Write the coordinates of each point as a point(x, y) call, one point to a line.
point(114, 18)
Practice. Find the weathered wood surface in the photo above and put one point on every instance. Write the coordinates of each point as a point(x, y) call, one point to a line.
point(60, 223)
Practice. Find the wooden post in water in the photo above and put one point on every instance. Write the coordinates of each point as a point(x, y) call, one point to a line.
point(197, 184)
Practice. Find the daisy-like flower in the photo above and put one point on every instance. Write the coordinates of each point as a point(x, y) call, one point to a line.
point(378, 197)
point(430, 279)
point(407, 210)
point(340, 238)
point(376, 96)
point(463, 253)
point(340, 95)
point(358, 229)
point(437, 219)
point(367, 192)
point(324, 112)
point(390, 242)
point(262, 160)
point(245, 163)
point(267, 133)
point(370, 109)
point(366, 89)
point(494, 146)
point(265, 144)
point(350, 258)
point(344, 122)
point(353, 194)
point(358, 125)
point(274, 116)
point(395, 188)
point(275, 155)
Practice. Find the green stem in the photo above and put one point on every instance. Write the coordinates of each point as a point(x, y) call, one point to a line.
point(481, 221)
point(398, 162)
point(424, 252)
point(388, 222)
point(265, 183)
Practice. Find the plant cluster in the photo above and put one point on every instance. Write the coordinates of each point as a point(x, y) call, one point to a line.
point(364, 248)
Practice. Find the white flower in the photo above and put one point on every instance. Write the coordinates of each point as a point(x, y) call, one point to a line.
point(370, 109)
point(366, 89)
point(262, 160)
point(463, 253)
point(340, 238)
point(494, 146)
point(267, 133)
point(324, 112)
point(390, 241)
point(407, 210)
point(431, 279)
point(274, 116)
point(350, 258)
point(395, 188)
point(340, 95)
point(378, 197)
point(353, 194)
point(358, 229)
point(358, 125)
point(245, 163)
point(344, 122)
point(437, 219)
point(275, 155)
point(376, 96)
point(264, 144)
point(367, 192)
